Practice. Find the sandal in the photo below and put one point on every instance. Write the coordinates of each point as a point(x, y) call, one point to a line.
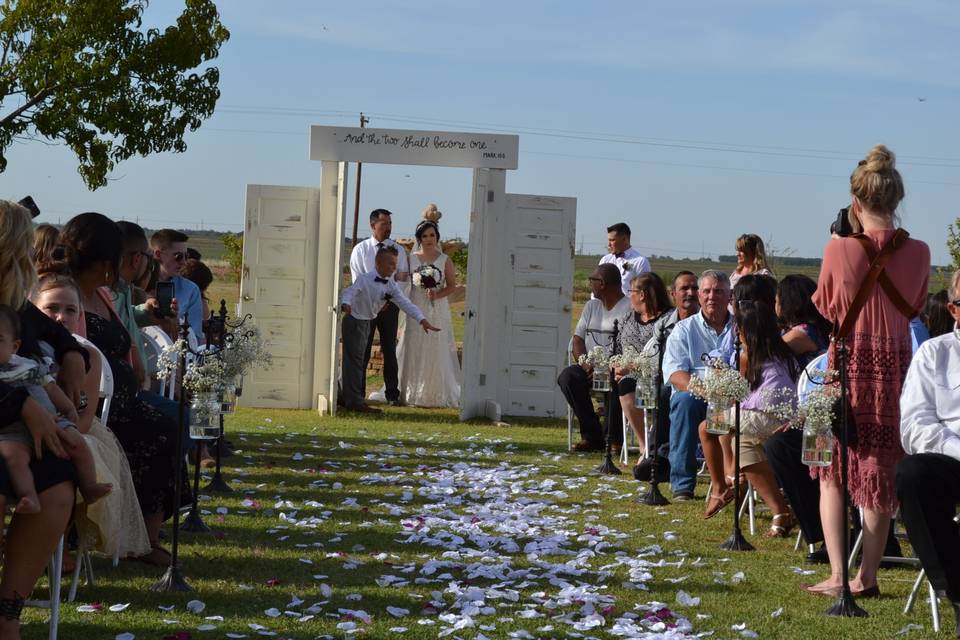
point(716, 503)
point(783, 524)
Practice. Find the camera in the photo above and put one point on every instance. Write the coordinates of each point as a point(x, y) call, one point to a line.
point(841, 226)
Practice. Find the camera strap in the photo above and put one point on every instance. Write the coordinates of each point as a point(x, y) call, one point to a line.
point(876, 273)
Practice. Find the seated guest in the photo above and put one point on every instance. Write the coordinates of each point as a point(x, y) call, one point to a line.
point(648, 303)
point(937, 313)
point(769, 367)
point(595, 328)
point(627, 259)
point(691, 338)
point(44, 240)
point(170, 250)
point(928, 478)
point(32, 538)
point(683, 296)
point(807, 333)
point(199, 274)
point(113, 525)
point(92, 245)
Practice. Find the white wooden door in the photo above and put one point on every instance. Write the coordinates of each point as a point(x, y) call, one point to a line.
point(278, 286)
point(538, 295)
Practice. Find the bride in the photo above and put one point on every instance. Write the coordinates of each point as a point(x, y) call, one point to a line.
point(429, 368)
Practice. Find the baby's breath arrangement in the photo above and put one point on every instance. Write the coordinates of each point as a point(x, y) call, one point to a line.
point(597, 357)
point(243, 350)
point(169, 358)
point(817, 409)
point(722, 387)
point(781, 403)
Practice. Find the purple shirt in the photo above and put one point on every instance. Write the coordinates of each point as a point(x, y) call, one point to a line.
point(774, 375)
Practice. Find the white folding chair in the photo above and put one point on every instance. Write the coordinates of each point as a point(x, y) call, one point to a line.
point(53, 604)
point(159, 339)
point(569, 409)
point(84, 561)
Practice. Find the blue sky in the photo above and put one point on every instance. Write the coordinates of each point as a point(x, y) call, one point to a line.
point(694, 122)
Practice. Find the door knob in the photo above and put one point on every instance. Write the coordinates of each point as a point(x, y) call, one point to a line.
point(247, 298)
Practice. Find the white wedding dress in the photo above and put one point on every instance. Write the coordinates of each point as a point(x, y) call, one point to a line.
point(429, 367)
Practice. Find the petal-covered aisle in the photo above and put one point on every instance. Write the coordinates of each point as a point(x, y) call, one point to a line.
point(417, 528)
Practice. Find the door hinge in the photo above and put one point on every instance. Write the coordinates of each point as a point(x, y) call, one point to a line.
point(490, 195)
point(483, 379)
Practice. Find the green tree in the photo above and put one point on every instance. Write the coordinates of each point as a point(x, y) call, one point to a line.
point(87, 74)
point(953, 242)
point(233, 243)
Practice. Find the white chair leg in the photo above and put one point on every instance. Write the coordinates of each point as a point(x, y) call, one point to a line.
point(912, 598)
point(569, 429)
point(116, 558)
point(75, 579)
point(625, 449)
point(56, 566)
point(852, 560)
point(752, 509)
point(934, 608)
point(796, 545)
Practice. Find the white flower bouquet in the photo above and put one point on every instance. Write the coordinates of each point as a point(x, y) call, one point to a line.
point(598, 358)
point(244, 349)
point(721, 387)
point(427, 277)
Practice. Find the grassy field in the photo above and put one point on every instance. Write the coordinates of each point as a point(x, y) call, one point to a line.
point(334, 520)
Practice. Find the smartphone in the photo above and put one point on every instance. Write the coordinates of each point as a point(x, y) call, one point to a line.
point(164, 298)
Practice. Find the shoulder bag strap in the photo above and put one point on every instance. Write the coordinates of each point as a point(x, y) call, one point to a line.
point(878, 263)
point(886, 283)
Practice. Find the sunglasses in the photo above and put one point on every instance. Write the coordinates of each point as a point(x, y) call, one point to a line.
point(179, 256)
point(591, 279)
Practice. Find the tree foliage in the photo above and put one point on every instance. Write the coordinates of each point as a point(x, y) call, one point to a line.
point(953, 242)
point(233, 254)
point(86, 73)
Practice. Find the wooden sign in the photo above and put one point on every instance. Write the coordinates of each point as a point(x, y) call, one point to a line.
point(403, 146)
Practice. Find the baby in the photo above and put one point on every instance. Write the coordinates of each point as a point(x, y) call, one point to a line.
point(16, 440)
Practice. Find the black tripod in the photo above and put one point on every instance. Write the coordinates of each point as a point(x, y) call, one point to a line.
point(653, 496)
point(845, 605)
point(608, 467)
point(736, 541)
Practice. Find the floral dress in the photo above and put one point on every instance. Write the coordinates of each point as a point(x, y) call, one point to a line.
point(147, 436)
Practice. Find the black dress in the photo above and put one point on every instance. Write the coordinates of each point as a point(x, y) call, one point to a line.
point(147, 436)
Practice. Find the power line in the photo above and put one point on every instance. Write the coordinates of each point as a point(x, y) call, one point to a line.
point(593, 136)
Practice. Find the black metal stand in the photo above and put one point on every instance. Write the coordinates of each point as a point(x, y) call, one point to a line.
point(172, 579)
point(217, 327)
point(654, 497)
point(736, 541)
point(217, 484)
point(193, 523)
point(845, 605)
point(608, 467)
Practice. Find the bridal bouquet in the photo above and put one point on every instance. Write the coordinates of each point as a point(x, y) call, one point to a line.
point(427, 277)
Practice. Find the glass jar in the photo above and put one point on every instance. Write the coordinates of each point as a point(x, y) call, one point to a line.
point(205, 416)
point(646, 394)
point(227, 395)
point(817, 443)
point(601, 379)
point(718, 419)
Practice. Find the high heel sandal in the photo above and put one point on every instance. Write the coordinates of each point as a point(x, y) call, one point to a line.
point(716, 503)
point(783, 524)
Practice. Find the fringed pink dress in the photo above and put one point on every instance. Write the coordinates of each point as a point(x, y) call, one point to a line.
point(879, 350)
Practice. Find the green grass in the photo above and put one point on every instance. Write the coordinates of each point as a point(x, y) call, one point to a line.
point(231, 570)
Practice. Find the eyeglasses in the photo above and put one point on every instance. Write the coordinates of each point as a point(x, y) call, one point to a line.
point(592, 279)
point(635, 290)
point(956, 302)
point(179, 256)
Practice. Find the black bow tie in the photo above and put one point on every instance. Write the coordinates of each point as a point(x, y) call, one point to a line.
point(379, 279)
point(379, 245)
point(618, 255)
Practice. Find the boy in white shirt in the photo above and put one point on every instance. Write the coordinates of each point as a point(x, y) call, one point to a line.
point(361, 302)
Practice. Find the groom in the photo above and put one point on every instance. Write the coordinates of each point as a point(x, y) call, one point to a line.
point(363, 260)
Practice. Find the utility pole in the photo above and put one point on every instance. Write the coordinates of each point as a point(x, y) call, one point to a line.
point(356, 198)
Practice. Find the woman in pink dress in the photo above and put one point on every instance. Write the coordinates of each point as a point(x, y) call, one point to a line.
point(879, 349)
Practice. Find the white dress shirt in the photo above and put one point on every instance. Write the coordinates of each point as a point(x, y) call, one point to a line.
point(930, 400)
point(363, 257)
point(595, 326)
point(369, 292)
point(630, 263)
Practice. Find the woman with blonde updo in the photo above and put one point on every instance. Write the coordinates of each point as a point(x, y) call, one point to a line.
point(879, 348)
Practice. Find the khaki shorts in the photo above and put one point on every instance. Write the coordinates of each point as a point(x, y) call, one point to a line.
point(755, 428)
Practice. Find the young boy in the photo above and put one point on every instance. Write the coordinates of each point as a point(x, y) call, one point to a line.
point(15, 439)
point(361, 302)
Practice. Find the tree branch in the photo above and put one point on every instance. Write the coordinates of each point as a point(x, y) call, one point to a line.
point(29, 104)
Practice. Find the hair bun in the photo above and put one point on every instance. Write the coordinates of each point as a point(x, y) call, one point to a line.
point(880, 159)
point(431, 213)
